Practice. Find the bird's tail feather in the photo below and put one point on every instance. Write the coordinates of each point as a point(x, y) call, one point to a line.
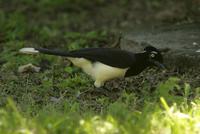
point(28, 50)
point(44, 51)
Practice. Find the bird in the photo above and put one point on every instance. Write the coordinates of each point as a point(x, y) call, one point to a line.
point(104, 64)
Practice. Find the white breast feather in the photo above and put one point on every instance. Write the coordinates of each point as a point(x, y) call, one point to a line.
point(100, 72)
point(103, 72)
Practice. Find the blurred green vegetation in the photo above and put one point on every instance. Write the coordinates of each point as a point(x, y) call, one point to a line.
point(121, 116)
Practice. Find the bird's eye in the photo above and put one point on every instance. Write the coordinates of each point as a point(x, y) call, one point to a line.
point(152, 55)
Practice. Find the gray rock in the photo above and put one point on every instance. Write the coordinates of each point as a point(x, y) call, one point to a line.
point(183, 42)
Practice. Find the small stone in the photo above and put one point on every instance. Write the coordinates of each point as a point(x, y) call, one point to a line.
point(54, 99)
point(198, 51)
point(194, 44)
point(28, 68)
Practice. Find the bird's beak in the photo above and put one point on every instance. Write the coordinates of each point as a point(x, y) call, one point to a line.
point(158, 64)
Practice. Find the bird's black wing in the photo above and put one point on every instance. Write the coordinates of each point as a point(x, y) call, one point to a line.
point(112, 57)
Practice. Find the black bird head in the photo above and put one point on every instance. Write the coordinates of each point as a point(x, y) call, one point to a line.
point(155, 57)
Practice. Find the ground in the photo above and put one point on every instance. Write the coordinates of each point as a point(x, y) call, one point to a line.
point(61, 99)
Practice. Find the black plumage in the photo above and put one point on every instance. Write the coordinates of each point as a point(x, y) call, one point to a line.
point(112, 57)
point(135, 62)
point(107, 63)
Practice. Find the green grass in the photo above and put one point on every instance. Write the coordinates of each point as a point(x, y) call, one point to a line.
point(60, 98)
point(121, 116)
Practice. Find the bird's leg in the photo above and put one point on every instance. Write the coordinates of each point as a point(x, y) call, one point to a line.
point(98, 83)
point(99, 88)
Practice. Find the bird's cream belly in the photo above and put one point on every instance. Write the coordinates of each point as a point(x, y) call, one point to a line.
point(100, 72)
point(83, 63)
point(104, 72)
